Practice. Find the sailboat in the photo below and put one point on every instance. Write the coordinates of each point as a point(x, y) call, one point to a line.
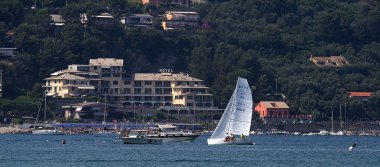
point(45, 130)
point(235, 123)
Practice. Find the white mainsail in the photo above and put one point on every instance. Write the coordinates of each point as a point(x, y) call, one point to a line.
point(237, 116)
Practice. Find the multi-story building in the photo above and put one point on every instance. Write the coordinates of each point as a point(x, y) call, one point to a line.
point(105, 77)
point(179, 20)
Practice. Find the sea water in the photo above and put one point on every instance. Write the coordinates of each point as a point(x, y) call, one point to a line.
point(108, 150)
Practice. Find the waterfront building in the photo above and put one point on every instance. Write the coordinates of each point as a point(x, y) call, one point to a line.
point(90, 110)
point(272, 109)
point(143, 93)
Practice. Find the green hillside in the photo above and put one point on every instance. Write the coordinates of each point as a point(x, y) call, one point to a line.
point(268, 42)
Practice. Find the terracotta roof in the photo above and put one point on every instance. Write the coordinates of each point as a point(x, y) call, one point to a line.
point(274, 104)
point(67, 76)
point(360, 94)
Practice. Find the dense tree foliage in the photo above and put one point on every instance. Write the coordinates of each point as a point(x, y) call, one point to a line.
point(268, 42)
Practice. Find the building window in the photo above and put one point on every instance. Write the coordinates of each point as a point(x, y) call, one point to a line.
point(137, 90)
point(148, 83)
point(158, 91)
point(148, 98)
point(148, 91)
point(115, 82)
point(158, 83)
point(116, 75)
point(190, 97)
point(127, 90)
point(137, 83)
point(127, 82)
point(167, 84)
point(106, 75)
point(95, 68)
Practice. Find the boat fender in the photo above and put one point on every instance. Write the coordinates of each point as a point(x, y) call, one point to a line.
point(167, 135)
point(181, 135)
point(63, 142)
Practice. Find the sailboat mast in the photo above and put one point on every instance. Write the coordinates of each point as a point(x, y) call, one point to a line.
point(332, 120)
point(340, 116)
point(105, 107)
point(45, 110)
point(233, 105)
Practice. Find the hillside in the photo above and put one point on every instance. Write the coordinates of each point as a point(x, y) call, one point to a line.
point(268, 42)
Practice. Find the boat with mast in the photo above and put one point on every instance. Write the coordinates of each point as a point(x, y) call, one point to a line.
point(45, 130)
point(234, 125)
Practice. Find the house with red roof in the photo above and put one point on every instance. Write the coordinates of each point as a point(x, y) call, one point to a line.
point(364, 96)
point(272, 109)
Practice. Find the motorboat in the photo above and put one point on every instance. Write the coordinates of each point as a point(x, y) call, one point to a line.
point(171, 133)
point(140, 137)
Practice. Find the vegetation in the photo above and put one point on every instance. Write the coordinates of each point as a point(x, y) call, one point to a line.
point(268, 42)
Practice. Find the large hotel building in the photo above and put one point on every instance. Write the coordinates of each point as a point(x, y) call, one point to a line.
point(105, 77)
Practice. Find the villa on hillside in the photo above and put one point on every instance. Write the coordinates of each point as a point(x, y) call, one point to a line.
point(180, 20)
point(332, 61)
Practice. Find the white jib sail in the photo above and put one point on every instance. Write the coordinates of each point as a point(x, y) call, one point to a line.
point(237, 116)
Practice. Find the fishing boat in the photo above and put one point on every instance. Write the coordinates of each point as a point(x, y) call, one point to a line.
point(45, 130)
point(140, 137)
point(234, 125)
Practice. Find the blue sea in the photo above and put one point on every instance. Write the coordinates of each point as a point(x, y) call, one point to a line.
point(91, 150)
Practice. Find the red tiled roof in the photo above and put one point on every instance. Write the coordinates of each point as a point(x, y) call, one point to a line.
point(360, 94)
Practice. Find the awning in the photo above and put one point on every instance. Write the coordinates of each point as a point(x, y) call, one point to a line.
point(78, 109)
point(86, 87)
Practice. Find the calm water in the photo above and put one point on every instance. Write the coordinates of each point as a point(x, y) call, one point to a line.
point(91, 150)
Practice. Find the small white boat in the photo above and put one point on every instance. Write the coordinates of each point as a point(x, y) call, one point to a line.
point(140, 137)
point(47, 132)
point(323, 133)
point(236, 118)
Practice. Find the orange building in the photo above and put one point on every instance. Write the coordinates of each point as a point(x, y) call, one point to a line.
point(364, 96)
point(272, 109)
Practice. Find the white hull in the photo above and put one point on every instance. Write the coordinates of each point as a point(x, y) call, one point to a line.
point(47, 132)
point(133, 140)
point(238, 141)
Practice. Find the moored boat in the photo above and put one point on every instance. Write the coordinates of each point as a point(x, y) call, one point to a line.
point(170, 133)
point(140, 137)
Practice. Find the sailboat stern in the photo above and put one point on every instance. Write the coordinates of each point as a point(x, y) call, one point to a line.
point(236, 141)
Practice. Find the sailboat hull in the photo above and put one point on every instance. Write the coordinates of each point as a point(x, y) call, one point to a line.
point(222, 141)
